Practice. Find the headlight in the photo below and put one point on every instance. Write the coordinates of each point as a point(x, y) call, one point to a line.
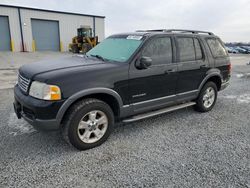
point(44, 91)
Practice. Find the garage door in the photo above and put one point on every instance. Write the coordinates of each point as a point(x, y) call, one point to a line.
point(45, 34)
point(4, 33)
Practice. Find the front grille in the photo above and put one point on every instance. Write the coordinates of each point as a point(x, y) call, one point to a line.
point(23, 83)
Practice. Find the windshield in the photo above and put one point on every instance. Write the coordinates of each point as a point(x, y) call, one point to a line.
point(117, 49)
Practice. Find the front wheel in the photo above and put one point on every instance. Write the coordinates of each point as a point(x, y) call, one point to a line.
point(207, 97)
point(88, 124)
point(75, 49)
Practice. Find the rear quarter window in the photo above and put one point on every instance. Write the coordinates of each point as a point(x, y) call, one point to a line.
point(216, 48)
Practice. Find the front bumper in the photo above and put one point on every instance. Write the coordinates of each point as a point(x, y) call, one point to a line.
point(39, 113)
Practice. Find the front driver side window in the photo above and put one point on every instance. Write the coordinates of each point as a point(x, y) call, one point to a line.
point(159, 50)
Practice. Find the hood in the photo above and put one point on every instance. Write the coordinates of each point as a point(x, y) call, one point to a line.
point(31, 70)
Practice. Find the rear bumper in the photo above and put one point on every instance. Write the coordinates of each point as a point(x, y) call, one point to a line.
point(40, 114)
point(224, 85)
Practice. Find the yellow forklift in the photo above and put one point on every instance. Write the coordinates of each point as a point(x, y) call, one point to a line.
point(84, 41)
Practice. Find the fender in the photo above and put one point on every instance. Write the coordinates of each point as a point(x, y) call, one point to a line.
point(83, 93)
point(210, 73)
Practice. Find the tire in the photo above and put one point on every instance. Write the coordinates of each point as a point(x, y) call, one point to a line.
point(82, 126)
point(202, 104)
point(86, 48)
point(75, 48)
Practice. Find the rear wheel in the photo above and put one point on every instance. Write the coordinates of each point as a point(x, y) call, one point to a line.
point(88, 124)
point(207, 97)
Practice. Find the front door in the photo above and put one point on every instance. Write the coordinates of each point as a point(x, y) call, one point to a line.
point(155, 86)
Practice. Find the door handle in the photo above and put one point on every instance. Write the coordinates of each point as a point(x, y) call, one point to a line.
point(170, 71)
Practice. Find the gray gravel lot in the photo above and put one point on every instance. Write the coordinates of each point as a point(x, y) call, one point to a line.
point(179, 149)
point(10, 62)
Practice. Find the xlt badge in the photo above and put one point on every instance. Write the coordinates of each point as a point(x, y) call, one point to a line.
point(139, 95)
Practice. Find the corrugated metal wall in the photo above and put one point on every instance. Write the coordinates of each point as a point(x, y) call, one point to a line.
point(68, 24)
point(100, 28)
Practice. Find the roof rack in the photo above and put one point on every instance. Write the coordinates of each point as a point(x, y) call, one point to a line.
point(177, 30)
point(189, 31)
point(153, 30)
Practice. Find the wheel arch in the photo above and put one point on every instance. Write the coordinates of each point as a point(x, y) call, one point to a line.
point(214, 77)
point(111, 97)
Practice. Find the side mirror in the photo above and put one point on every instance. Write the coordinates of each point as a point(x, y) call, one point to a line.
point(143, 63)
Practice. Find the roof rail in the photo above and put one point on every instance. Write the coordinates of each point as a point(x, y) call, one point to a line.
point(177, 30)
point(152, 30)
point(189, 31)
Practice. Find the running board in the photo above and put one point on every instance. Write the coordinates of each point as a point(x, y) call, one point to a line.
point(158, 112)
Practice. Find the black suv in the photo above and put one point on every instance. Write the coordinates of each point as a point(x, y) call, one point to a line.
point(127, 77)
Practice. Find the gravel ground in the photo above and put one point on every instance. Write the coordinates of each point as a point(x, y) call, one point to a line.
point(179, 149)
point(10, 62)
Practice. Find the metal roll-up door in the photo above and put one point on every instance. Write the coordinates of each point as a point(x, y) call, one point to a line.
point(4, 34)
point(45, 35)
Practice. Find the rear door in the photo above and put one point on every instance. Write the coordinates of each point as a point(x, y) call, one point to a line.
point(192, 65)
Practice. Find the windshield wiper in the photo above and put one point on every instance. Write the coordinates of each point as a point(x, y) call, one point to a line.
point(98, 57)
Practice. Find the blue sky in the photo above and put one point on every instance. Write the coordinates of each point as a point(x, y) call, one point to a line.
point(230, 19)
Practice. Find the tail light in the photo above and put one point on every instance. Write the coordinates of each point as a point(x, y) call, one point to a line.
point(230, 68)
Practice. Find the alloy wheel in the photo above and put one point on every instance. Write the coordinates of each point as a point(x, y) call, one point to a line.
point(92, 126)
point(209, 97)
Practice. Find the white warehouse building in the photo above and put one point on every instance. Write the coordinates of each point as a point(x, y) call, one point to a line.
point(30, 29)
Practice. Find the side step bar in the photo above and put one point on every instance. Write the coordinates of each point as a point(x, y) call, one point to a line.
point(158, 112)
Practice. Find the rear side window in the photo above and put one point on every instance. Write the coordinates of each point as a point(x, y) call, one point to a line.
point(159, 50)
point(186, 49)
point(216, 48)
